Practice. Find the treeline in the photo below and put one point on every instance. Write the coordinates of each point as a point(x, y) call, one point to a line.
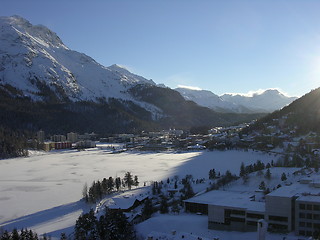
point(12, 143)
point(221, 180)
point(110, 226)
point(23, 234)
point(100, 189)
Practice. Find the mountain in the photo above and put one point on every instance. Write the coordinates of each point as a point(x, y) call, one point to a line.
point(300, 117)
point(267, 101)
point(31, 56)
point(209, 99)
point(45, 85)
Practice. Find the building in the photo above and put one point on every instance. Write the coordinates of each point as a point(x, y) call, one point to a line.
point(40, 136)
point(228, 210)
point(62, 145)
point(86, 144)
point(58, 138)
point(72, 137)
point(289, 208)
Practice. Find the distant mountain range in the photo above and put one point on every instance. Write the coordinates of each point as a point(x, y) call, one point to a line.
point(45, 85)
point(266, 102)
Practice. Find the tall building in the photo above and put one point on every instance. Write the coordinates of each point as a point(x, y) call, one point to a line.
point(72, 137)
point(40, 136)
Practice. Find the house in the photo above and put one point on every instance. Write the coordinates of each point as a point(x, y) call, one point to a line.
point(126, 204)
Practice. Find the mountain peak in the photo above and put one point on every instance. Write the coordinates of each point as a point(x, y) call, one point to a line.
point(41, 34)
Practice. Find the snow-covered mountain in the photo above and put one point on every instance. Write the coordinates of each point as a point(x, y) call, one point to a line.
point(267, 101)
point(209, 99)
point(31, 56)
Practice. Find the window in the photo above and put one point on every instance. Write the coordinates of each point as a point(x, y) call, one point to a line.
point(316, 216)
point(316, 207)
point(302, 224)
point(309, 224)
point(254, 215)
point(234, 219)
point(302, 206)
point(302, 233)
point(251, 223)
point(302, 215)
point(238, 212)
point(309, 216)
point(316, 225)
point(278, 218)
point(309, 207)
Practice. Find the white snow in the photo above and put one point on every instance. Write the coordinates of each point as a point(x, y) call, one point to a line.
point(43, 191)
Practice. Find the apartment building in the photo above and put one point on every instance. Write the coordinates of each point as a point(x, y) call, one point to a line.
point(289, 208)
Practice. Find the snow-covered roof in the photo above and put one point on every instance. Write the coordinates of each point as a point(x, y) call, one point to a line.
point(296, 189)
point(231, 199)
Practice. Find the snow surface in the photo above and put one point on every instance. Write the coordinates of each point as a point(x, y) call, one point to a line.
point(43, 191)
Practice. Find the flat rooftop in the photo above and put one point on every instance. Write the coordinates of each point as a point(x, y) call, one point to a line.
point(297, 189)
point(232, 199)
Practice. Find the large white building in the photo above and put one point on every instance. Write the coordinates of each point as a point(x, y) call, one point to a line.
point(288, 208)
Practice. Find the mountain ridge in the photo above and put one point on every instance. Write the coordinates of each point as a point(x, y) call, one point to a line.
point(267, 101)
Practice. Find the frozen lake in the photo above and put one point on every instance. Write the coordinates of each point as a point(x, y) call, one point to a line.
point(44, 182)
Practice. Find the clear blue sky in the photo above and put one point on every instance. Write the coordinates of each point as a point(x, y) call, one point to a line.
point(222, 46)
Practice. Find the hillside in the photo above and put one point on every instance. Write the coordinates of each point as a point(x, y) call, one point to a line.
point(45, 85)
point(301, 116)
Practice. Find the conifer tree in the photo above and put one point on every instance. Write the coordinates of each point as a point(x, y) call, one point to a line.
point(128, 180)
point(283, 177)
point(268, 174)
point(262, 185)
point(136, 182)
point(147, 209)
point(164, 205)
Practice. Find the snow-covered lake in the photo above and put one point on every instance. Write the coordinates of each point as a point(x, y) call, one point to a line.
point(43, 185)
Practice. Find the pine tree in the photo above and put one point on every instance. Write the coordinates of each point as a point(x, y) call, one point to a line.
point(114, 225)
point(63, 236)
point(128, 181)
point(118, 183)
point(262, 186)
point(175, 207)
point(136, 182)
point(86, 227)
point(268, 174)
point(283, 177)
point(111, 184)
point(147, 209)
point(164, 205)
point(242, 170)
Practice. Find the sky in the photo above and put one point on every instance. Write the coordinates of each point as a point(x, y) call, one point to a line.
point(233, 46)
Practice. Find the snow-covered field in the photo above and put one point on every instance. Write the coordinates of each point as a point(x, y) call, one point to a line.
point(43, 191)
